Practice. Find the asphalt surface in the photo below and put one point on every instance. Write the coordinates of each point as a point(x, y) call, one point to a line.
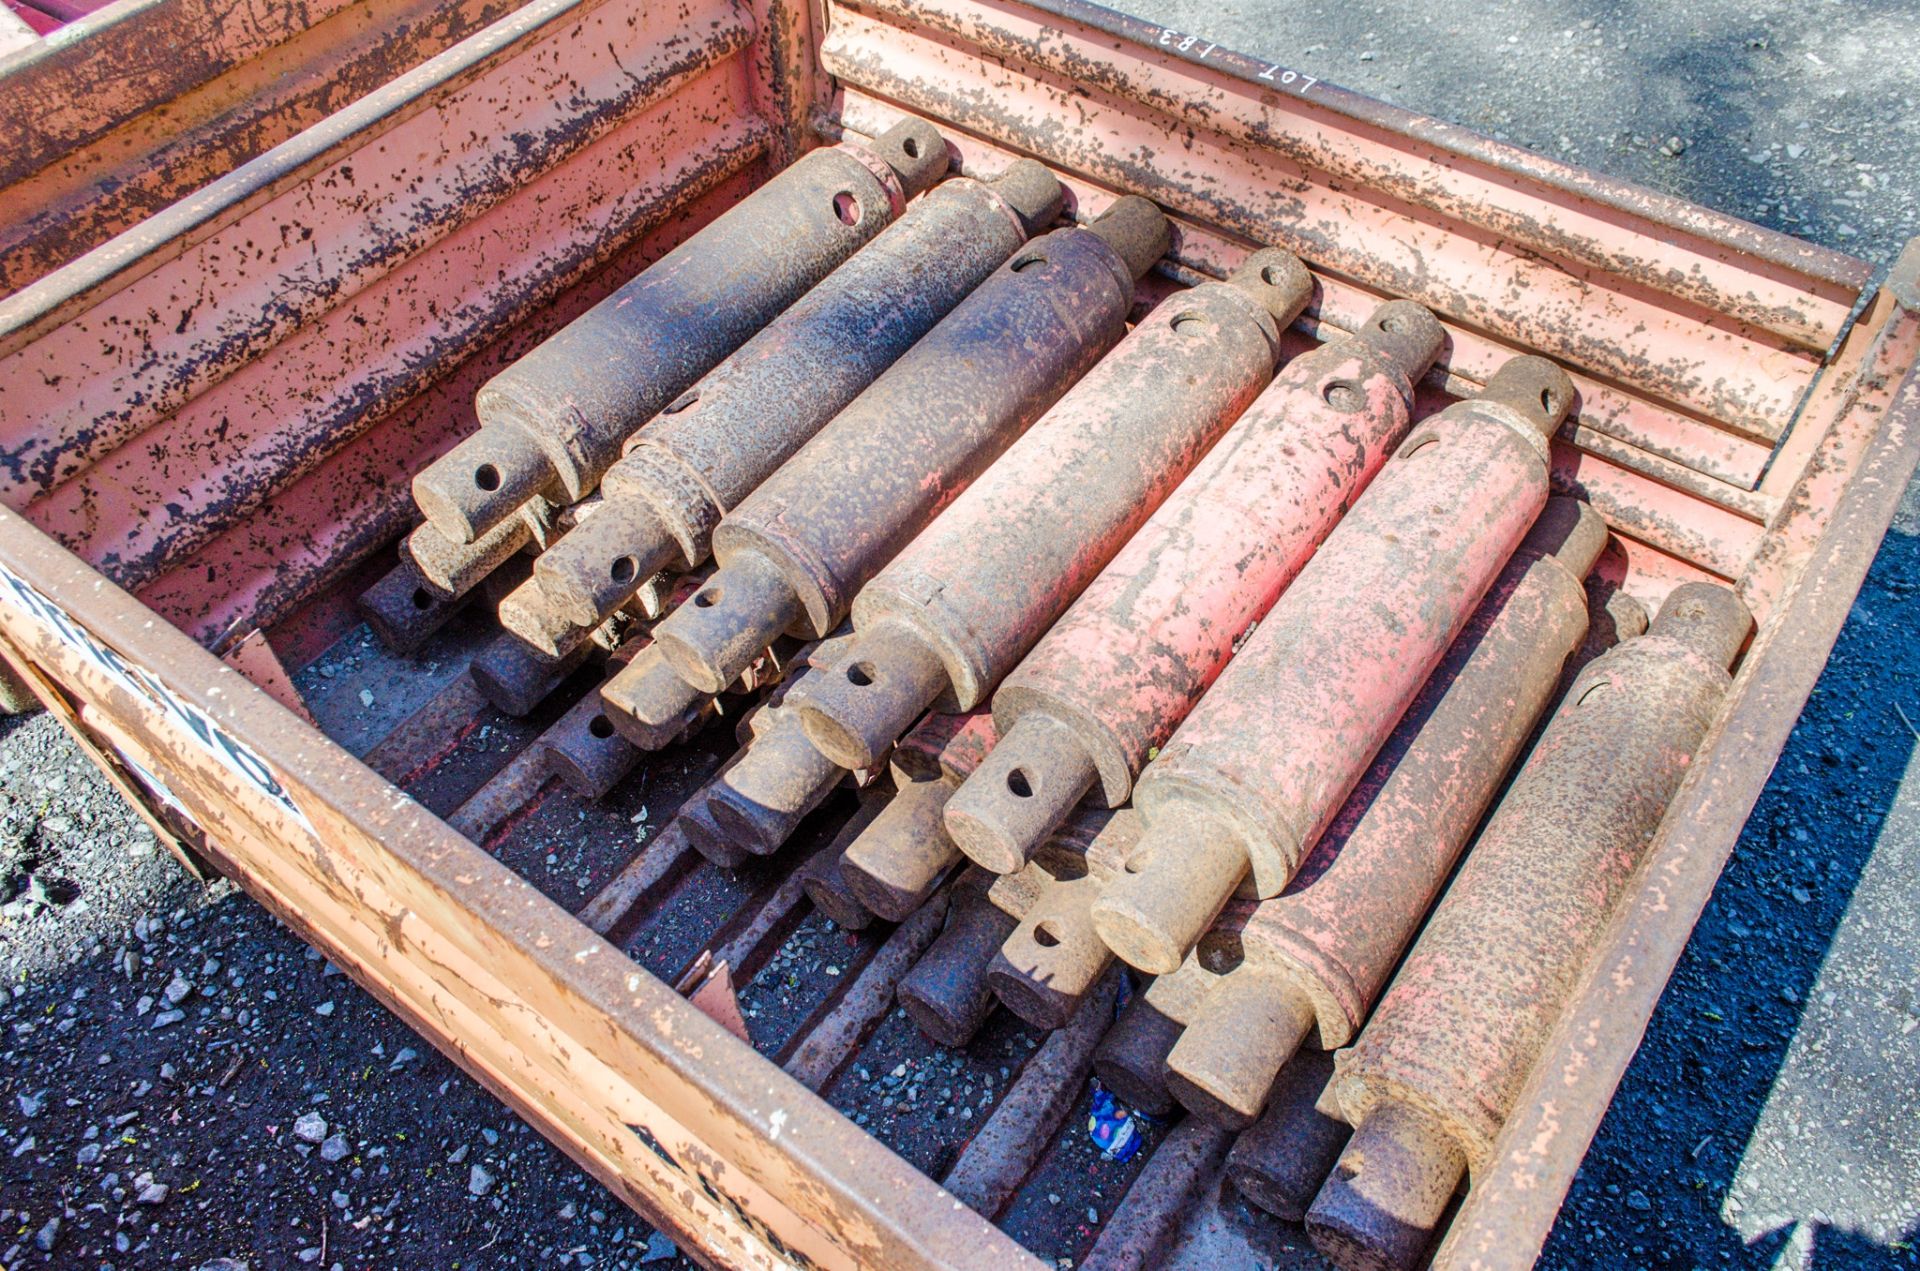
point(168, 1054)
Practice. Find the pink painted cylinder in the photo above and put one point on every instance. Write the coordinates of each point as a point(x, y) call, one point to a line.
point(1122, 667)
point(1435, 1073)
point(959, 607)
point(1261, 765)
point(1317, 955)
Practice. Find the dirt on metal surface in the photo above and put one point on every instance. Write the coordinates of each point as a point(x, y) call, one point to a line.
point(729, 432)
point(1438, 1064)
point(1126, 662)
point(955, 611)
point(1258, 770)
point(796, 552)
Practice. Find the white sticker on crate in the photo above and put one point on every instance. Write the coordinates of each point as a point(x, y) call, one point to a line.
point(199, 728)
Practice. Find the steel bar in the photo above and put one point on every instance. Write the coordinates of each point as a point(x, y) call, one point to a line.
point(515, 680)
point(1159, 1200)
point(998, 1159)
point(658, 863)
point(429, 734)
point(1280, 1161)
point(506, 796)
point(584, 750)
point(403, 610)
point(1132, 1059)
point(824, 879)
point(1123, 666)
point(1433, 1076)
point(965, 601)
point(746, 950)
point(1257, 771)
point(946, 994)
point(831, 1042)
point(553, 422)
point(710, 448)
point(794, 553)
point(1317, 955)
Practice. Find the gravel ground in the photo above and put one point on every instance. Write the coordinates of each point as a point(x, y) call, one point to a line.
point(183, 1082)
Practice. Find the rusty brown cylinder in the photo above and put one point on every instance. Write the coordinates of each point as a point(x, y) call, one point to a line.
point(1160, 1201)
point(1433, 1076)
point(530, 616)
point(794, 554)
point(712, 446)
point(452, 569)
point(779, 779)
point(1121, 668)
point(1132, 1059)
point(584, 750)
point(1259, 768)
point(960, 606)
point(896, 865)
point(551, 423)
point(514, 680)
point(1317, 955)
point(703, 835)
point(1281, 1160)
point(403, 610)
point(946, 994)
point(823, 878)
point(648, 704)
point(1054, 956)
point(1002, 1153)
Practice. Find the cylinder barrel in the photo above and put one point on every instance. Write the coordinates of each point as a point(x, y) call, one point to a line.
point(959, 607)
point(709, 447)
point(795, 552)
point(1132, 1059)
point(1281, 1160)
point(825, 882)
point(1323, 949)
point(946, 994)
point(1259, 768)
point(404, 610)
point(779, 779)
point(553, 421)
point(584, 749)
point(1433, 1075)
point(514, 680)
point(1120, 669)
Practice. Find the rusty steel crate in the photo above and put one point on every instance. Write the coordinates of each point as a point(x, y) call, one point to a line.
point(255, 280)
